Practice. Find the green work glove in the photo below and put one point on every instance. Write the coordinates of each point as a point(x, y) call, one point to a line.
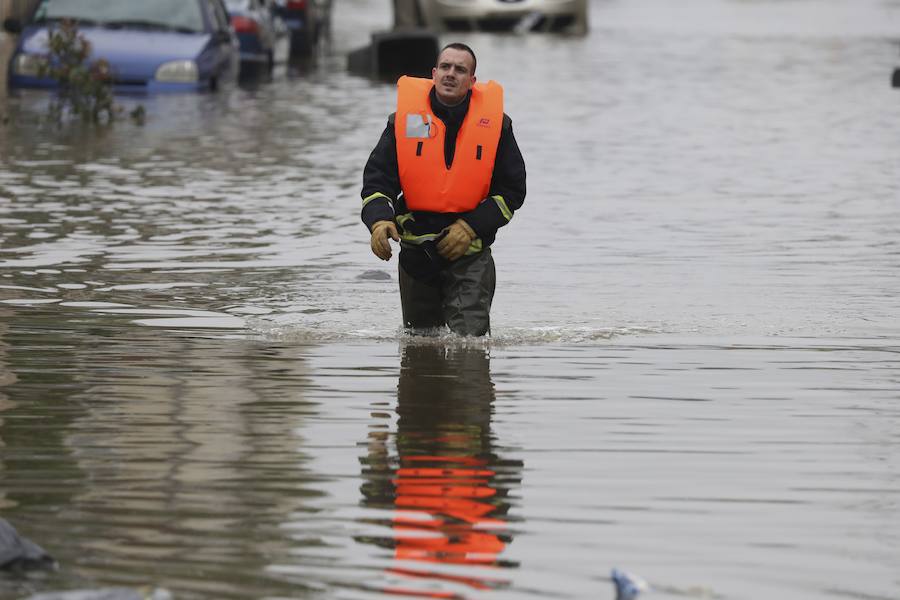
point(381, 231)
point(456, 241)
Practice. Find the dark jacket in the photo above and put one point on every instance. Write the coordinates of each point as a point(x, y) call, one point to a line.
point(383, 198)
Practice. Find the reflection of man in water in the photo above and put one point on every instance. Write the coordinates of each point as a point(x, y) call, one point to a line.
point(446, 485)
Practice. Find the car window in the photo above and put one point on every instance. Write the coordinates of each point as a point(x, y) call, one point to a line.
point(166, 13)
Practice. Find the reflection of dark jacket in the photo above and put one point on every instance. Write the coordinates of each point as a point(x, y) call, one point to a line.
point(445, 402)
point(382, 198)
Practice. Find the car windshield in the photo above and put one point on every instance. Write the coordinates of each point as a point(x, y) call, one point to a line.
point(181, 15)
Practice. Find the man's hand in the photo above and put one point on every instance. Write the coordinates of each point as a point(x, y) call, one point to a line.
point(456, 242)
point(381, 231)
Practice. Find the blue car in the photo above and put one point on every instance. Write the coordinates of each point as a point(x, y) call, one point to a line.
point(150, 45)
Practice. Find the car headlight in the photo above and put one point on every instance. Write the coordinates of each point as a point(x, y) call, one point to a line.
point(178, 71)
point(29, 65)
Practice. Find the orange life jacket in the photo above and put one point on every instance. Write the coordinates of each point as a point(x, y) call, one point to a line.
point(426, 181)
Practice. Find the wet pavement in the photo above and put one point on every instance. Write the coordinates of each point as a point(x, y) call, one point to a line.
point(694, 373)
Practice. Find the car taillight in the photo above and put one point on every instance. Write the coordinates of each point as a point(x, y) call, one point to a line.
point(296, 5)
point(244, 25)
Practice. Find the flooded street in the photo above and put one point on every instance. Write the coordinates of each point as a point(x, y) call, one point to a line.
point(694, 373)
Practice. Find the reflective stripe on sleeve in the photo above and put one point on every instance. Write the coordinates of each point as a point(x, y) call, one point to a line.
point(376, 195)
point(504, 209)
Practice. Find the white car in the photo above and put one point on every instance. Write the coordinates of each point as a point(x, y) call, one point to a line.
point(567, 16)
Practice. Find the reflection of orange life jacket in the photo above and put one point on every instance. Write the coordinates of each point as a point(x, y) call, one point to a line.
point(452, 496)
point(426, 181)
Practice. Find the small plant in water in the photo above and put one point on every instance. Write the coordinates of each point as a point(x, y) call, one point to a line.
point(85, 88)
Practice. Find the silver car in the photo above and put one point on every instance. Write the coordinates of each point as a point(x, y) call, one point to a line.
point(568, 16)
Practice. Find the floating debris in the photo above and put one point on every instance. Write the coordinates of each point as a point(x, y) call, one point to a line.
point(17, 552)
point(628, 587)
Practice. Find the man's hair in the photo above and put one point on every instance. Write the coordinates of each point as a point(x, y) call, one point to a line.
point(464, 48)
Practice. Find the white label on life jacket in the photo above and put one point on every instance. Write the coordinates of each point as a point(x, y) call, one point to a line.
point(418, 126)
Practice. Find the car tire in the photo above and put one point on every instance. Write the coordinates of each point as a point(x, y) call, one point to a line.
point(895, 80)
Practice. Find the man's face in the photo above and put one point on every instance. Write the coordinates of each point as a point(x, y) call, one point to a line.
point(453, 76)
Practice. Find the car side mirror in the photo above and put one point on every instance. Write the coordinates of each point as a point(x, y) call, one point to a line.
point(223, 37)
point(12, 25)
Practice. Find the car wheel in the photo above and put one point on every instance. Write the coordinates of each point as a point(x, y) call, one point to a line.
point(895, 80)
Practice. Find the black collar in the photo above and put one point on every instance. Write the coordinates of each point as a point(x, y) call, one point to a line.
point(449, 114)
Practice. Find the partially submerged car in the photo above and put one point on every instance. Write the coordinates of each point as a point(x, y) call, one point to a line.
point(564, 16)
point(151, 46)
point(309, 21)
point(261, 33)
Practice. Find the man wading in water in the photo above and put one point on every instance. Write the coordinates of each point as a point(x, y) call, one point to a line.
point(444, 177)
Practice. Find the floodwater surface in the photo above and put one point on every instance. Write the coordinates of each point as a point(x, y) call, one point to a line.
point(694, 372)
